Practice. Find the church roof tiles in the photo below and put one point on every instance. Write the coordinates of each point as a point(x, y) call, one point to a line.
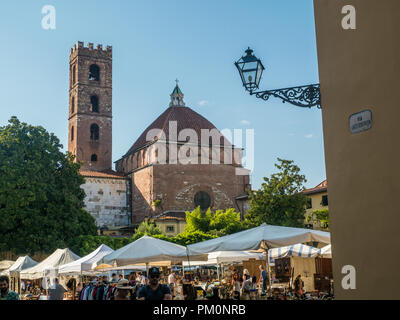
point(185, 118)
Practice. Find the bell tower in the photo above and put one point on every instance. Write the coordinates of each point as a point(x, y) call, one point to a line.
point(90, 106)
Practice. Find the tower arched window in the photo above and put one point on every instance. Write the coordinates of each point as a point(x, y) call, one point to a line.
point(94, 104)
point(73, 74)
point(72, 105)
point(93, 158)
point(94, 132)
point(94, 72)
point(72, 133)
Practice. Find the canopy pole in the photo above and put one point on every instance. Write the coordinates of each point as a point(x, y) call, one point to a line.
point(269, 278)
point(187, 254)
point(147, 269)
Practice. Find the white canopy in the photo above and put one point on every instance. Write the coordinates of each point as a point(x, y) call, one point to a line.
point(57, 258)
point(86, 263)
point(22, 263)
point(252, 239)
point(218, 257)
point(326, 252)
point(298, 250)
point(148, 249)
point(5, 264)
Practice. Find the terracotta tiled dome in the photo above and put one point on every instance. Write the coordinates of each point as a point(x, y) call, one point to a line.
point(185, 117)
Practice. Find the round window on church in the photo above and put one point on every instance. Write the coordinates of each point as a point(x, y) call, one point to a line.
point(202, 199)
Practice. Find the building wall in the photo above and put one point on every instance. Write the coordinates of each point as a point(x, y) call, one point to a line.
point(359, 69)
point(179, 226)
point(142, 194)
point(316, 202)
point(176, 185)
point(106, 200)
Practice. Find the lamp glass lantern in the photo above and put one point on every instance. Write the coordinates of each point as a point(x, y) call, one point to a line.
point(250, 69)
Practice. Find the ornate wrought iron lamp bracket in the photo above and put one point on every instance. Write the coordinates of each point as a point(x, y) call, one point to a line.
point(302, 96)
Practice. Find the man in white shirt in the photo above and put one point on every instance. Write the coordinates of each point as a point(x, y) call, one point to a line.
point(171, 279)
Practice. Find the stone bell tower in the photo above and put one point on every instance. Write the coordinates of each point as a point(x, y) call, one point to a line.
point(90, 106)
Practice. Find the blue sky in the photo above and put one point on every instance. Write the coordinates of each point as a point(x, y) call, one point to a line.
point(156, 41)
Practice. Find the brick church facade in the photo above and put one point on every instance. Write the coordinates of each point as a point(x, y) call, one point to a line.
point(179, 162)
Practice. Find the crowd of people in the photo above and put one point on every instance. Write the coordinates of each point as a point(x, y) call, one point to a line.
point(242, 286)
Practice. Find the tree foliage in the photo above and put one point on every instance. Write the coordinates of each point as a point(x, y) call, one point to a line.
point(279, 201)
point(147, 227)
point(41, 202)
point(85, 244)
point(217, 223)
point(319, 217)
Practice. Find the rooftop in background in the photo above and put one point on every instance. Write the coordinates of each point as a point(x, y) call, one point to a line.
point(185, 118)
point(322, 187)
point(171, 215)
point(108, 174)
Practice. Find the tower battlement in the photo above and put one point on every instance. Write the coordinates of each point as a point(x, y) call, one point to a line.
point(80, 48)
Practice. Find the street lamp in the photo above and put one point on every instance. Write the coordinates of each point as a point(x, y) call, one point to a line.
point(250, 69)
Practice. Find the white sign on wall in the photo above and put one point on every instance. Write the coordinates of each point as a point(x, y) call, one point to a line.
point(361, 121)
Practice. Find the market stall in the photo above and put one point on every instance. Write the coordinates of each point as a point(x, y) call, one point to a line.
point(5, 264)
point(300, 259)
point(49, 265)
point(13, 272)
point(86, 264)
point(148, 249)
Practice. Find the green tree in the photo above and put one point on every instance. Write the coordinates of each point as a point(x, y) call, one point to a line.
point(320, 218)
point(41, 202)
point(147, 227)
point(85, 244)
point(217, 223)
point(279, 201)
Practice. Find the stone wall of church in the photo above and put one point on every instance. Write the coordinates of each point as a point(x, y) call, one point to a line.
point(107, 200)
point(177, 185)
point(142, 194)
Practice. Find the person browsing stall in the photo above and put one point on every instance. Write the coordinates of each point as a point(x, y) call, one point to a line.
point(155, 291)
point(122, 290)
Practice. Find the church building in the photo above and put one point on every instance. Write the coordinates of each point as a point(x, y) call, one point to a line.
point(179, 162)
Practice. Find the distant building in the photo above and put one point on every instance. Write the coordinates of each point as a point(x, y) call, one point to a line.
point(171, 223)
point(317, 198)
point(121, 199)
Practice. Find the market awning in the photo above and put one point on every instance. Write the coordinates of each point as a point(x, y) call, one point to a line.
point(325, 252)
point(5, 264)
point(22, 263)
point(297, 250)
point(56, 259)
point(148, 249)
point(253, 239)
point(87, 263)
point(218, 257)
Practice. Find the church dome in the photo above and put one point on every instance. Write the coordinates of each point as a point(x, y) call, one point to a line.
point(185, 118)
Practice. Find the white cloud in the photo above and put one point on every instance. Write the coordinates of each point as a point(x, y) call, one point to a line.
point(245, 122)
point(203, 103)
point(308, 136)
